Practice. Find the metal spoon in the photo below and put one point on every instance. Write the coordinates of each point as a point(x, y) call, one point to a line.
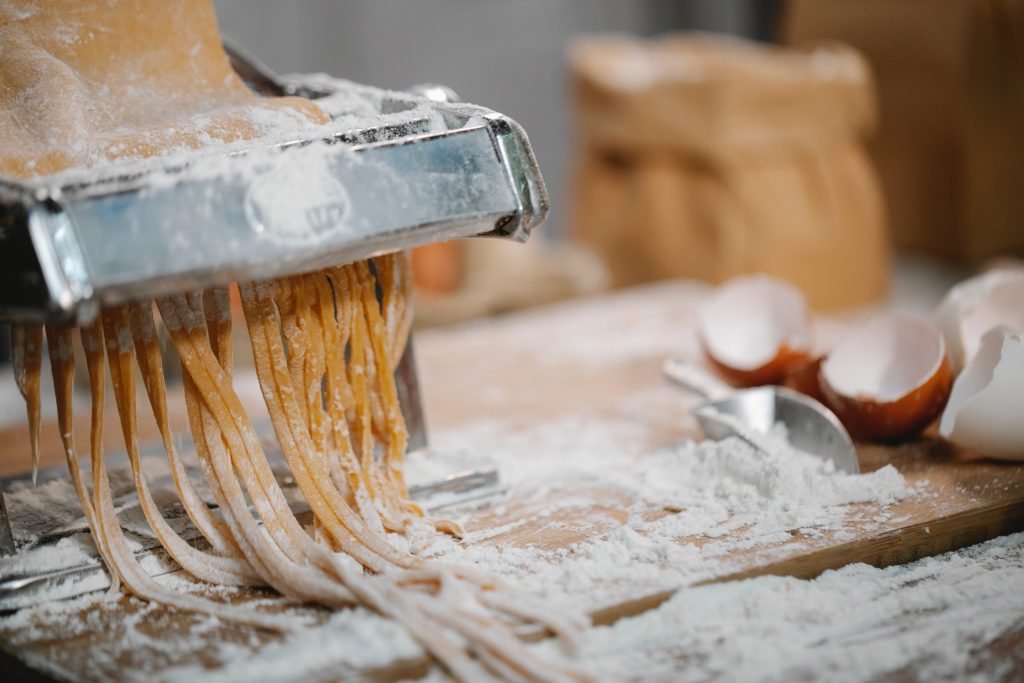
point(810, 426)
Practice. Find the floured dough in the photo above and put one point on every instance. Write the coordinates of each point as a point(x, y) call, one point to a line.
point(83, 81)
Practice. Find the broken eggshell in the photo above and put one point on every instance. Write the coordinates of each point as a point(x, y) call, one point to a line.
point(889, 379)
point(985, 412)
point(754, 330)
point(975, 306)
point(805, 378)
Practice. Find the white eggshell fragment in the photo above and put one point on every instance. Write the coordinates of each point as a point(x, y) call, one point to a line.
point(985, 412)
point(750, 322)
point(975, 306)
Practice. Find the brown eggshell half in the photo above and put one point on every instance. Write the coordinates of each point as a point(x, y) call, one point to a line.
point(754, 330)
point(774, 371)
point(906, 359)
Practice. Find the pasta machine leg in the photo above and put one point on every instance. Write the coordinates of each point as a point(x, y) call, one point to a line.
point(409, 398)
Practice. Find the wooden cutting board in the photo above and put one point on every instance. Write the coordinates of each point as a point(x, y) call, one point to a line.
point(602, 358)
point(597, 360)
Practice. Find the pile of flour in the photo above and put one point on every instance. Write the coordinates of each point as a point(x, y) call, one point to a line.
point(684, 511)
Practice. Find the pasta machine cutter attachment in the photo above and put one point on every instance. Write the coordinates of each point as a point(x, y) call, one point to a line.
point(420, 171)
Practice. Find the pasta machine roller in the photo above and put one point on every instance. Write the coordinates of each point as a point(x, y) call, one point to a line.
point(393, 171)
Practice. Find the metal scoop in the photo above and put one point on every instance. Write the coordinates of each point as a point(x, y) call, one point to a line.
point(810, 426)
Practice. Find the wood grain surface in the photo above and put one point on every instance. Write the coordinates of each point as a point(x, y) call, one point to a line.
point(597, 359)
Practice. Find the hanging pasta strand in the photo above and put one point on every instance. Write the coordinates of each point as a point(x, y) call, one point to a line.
point(392, 426)
point(26, 359)
point(186, 326)
point(253, 297)
point(395, 275)
point(353, 382)
point(324, 346)
point(279, 570)
point(453, 657)
point(359, 416)
point(307, 465)
point(121, 361)
point(383, 321)
point(147, 351)
point(369, 404)
point(300, 329)
point(62, 367)
point(122, 560)
point(286, 558)
point(337, 322)
point(217, 310)
point(185, 321)
point(309, 319)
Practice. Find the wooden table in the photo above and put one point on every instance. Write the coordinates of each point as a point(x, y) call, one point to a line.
point(600, 359)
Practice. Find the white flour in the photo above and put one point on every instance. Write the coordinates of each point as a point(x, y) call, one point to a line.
point(686, 509)
point(354, 639)
point(923, 621)
point(677, 516)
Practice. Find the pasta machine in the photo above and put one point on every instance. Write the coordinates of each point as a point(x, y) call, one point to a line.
point(394, 171)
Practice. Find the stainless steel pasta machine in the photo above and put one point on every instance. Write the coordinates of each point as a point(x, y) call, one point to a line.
point(394, 171)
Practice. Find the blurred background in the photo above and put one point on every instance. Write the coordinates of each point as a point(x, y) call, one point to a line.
point(837, 145)
point(857, 149)
point(508, 55)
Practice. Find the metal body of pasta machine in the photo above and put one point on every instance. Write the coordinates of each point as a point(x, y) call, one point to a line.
point(421, 169)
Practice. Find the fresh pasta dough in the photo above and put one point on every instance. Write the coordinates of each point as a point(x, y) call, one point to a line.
point(86, 83)
point(322, 349)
